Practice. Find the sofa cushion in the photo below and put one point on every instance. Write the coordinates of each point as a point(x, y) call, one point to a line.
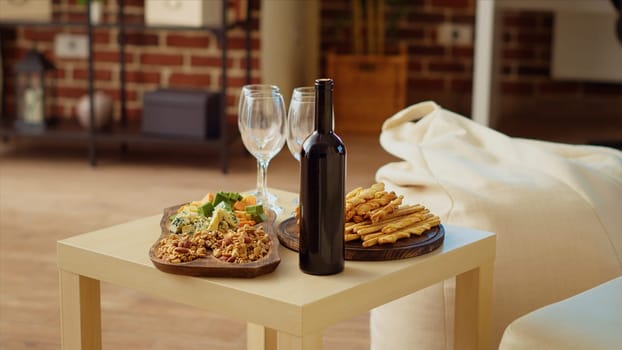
point(556, 210)
point(590, 320)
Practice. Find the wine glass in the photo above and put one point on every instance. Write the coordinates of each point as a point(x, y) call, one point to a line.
point(262, 123)
point(300, 120)
point(253, 88)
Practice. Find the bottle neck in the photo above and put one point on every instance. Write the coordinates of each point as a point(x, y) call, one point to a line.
point(324, 106)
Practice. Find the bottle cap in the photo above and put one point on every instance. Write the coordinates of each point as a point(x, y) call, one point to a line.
point(324, 82)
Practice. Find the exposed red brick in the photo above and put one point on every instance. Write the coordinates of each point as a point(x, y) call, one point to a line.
point(425, 17)
point(326, 12)
point(39, 34)
point(414, 66)
point(462, 18)
point(446, 67)
point(461, 85)
point(141, 39)
point(520, 19)
point(232, 119)
point(239, 82)
point(254, 63)
point(179, 40)
point(461, 51)
point(506, 69)
point(533, 70)
point(134, 3)
point(418, 83)
point(344, 48)
point(456, 4)
point(70, 91)
point(426, 50)
point(533, 38)
point(115, 94)
point(254, 4)
point(518, 53)
point(76, 17)
point(232, 99)
point(58, 111)
point(190, 80)
point(161, 59)
point(59, 73)
point(550, 87)
point(110, 56)
point(517, 88)
point(142, 77)
point(100, 74)
point(131, 18)
point(101, 37)
point(507, 37)
point(240, 44)
point(411, 33)
point(212, 61)
point(134, 114)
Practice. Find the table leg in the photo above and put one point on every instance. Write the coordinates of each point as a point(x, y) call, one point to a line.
point(80, 312)
point(259, 337)
point(287, 341)
point(473, 313)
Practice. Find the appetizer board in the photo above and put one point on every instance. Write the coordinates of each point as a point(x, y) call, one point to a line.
point(210, 266)
point(416, 245)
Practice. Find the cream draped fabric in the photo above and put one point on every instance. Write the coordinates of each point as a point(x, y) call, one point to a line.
point(556, 210)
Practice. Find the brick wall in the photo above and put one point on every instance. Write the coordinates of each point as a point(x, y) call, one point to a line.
point(444, 73)
point(441, 73)
point(154, 58)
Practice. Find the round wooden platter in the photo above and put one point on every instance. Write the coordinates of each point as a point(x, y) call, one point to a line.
point(428, 241)
point(211, 266)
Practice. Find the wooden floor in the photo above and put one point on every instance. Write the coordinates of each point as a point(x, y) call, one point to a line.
point(48, 192)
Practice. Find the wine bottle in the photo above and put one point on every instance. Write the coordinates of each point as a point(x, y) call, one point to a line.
point(322, 191)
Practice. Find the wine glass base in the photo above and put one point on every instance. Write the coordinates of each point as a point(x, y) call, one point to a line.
point(270, 201)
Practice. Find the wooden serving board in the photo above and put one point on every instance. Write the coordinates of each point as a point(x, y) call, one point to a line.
point(213, 267)
point(404, 248)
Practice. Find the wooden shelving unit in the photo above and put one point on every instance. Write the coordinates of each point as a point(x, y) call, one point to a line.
point(124, 133)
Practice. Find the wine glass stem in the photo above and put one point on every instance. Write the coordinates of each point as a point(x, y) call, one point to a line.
point(262, 180)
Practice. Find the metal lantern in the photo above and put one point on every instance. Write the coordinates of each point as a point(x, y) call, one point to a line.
point(32, 89)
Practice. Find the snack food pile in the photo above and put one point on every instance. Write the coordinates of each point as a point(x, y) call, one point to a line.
point(376, 216)
point(224, 223)
point(244, 245)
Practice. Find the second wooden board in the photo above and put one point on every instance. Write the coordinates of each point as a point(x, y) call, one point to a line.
point(288, 234)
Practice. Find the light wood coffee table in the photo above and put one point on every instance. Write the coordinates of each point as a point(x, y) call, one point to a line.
point(290, 309)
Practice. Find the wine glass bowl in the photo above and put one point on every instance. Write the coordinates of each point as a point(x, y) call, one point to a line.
point(300, 118)
point(262, 124)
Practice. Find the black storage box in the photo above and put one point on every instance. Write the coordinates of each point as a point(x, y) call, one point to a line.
point(187, 113)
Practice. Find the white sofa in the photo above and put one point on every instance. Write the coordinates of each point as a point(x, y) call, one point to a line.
point(556, 210)
point(590, 320)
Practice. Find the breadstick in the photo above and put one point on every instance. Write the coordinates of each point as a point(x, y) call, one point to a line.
point(369, 236)
point(353, 226)
point(407, 221)
point(417, 229)
point(370, 242)
point(409, 209)
point(351, 237)
point(381, 213)
point(371, 228)
point(354, 193)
